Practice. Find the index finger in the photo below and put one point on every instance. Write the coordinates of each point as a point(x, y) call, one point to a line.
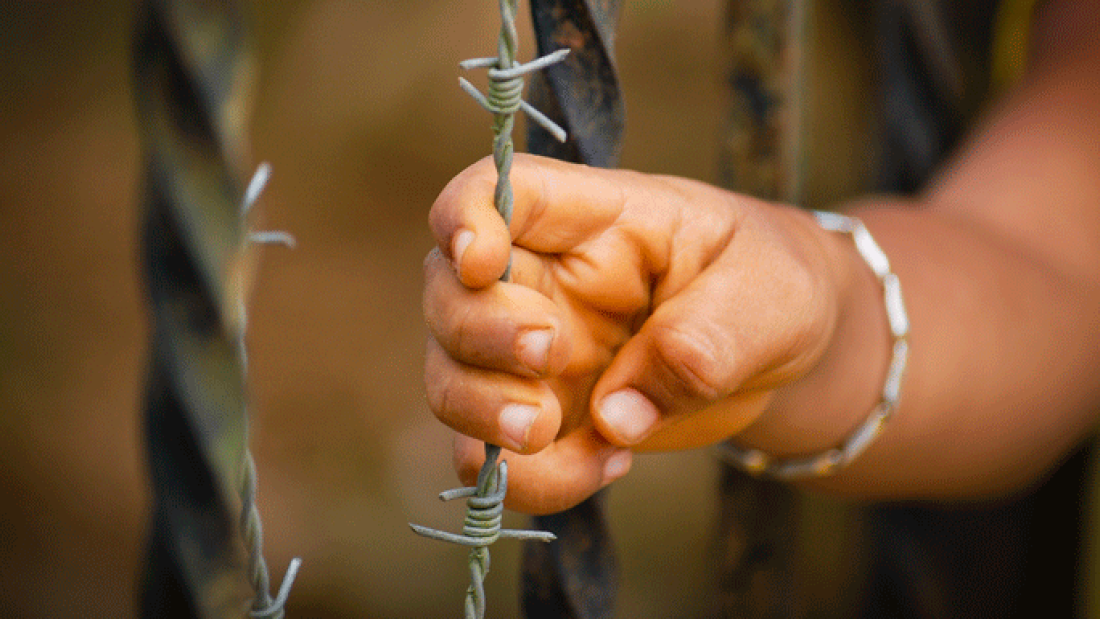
point(556, 207)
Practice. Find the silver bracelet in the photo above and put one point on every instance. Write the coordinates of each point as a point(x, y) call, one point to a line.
point(756, 462)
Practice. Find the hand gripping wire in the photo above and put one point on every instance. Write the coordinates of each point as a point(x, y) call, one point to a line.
point(505, 99)
point(485, 501)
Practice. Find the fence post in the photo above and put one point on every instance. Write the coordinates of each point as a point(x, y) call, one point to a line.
point(761, 155)
point(575, 577)
point(191, 80)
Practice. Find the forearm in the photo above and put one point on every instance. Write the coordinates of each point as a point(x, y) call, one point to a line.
point(999, 383)
point(1000, 266)
point(666, 314)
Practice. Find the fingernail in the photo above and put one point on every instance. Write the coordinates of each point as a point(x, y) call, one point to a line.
point(533, 349)
point(617, 465)
point(629, 414)
point(462, 241)
point(515, 422)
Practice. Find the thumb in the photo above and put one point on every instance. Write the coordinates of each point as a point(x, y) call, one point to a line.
point(678, 362)
point(731, 329)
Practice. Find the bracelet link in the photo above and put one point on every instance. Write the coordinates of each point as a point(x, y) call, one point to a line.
point(756, 462)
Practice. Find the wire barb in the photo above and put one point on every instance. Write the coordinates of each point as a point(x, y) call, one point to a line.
point(483, 516)
point(482, 526)
point(263, 605)
point(485, 501)
point(256, 188)
point(191, 67)
point(506, 88)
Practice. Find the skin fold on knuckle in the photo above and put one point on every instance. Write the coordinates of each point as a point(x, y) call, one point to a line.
point(435, 298)
point(460, 333)
point(806, 321)
point(459, 395)
point(439, 385)
point(692, 361)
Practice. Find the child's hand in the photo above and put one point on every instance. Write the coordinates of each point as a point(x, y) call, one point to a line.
point(643, 312)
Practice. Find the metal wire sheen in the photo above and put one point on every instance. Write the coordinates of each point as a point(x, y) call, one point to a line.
point(485, 501)
point(756, 462)
point(192, 70)
point(263, 605)
point(190, 75)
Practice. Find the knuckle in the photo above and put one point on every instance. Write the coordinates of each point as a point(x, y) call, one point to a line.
point(806, 316)
point(450, 394)
point(453, 190)
point(805, 298)
point(466, 464)
point(461, 330)
point(439, 216)
point(802, 284)
point(455, 404)
point(432, 297)
point(439, 388)
point(692, 359)
point(445, 214)
point(431, 263)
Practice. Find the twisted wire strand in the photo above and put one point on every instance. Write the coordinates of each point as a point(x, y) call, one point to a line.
point(191, 70)
point(264, 606)
point(485, 500)
point(482, 526)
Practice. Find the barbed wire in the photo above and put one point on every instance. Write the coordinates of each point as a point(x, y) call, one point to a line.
point(191, 78)
point(263, 605)
point(485, 500)
point(192, 68)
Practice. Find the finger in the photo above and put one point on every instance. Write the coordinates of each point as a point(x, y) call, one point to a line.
point(707, 426)
point(556, 207)
point(756, 317)
point(570, 470)
point(464, 212)
point(522, 414)
point(504, 326)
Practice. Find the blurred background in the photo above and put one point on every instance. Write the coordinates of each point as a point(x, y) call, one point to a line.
point(359, 113)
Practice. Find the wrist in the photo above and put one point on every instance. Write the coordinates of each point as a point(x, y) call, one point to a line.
point(842, 392)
